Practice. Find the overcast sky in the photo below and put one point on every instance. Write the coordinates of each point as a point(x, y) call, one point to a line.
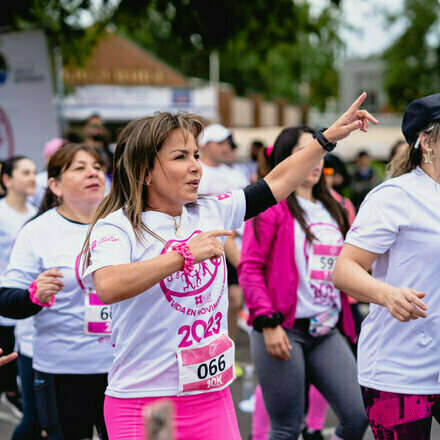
point(372, 33)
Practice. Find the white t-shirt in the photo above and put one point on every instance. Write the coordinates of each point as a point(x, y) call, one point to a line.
point(148, 328)
point(221, 179)
point(60, 344)
point(314, 296)
point(248, 168)
point(24, 336)
point(400, 221)
point(11, 222)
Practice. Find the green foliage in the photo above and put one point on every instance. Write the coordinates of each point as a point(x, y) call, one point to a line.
point(279, 49)
point(413, 60)
point(62, 21)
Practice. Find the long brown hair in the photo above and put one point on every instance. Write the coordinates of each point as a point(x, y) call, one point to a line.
point(412, 158)
point(59, 162)
point(286, 141)
point(135, 155)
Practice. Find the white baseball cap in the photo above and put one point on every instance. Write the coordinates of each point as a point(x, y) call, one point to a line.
point(213, 133)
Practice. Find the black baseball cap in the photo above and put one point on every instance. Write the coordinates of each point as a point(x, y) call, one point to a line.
point(419, 114)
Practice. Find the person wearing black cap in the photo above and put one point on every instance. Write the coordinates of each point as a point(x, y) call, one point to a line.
point(397, 229)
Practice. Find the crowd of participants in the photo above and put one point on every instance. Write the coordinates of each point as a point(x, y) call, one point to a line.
point(123, 276)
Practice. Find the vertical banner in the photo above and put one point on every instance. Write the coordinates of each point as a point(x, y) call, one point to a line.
point(27, 103)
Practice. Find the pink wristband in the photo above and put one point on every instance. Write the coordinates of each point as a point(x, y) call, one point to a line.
point(32, 289)
point(183, 250)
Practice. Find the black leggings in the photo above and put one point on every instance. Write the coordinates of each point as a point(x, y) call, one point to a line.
point(8, 373)
point(69, 405)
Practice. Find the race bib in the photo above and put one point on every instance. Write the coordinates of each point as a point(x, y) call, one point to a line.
point(207, 366)
point(98, 317)
point(322, 262)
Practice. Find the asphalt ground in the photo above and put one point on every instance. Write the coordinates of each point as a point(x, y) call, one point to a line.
point(8, 421)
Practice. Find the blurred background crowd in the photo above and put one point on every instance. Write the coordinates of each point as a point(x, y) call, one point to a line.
point(78, 71)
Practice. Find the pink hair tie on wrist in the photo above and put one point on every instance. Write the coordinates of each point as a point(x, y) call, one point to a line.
point(32, 289)
point(183, 250)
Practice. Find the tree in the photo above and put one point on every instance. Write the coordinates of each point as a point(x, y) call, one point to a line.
point(276, 48)
point(412, 62)
point(62, 21)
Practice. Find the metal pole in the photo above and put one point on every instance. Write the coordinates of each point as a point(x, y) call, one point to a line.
point(214, 76)
point(59, 87)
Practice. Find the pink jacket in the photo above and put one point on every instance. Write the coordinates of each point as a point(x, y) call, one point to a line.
point(267, 271)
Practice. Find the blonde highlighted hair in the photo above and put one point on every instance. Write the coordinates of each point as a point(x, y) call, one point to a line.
point(412, 157)
point(135, 155)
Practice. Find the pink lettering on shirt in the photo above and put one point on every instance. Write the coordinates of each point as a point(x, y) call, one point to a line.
point(223, 196)
point(103, 240)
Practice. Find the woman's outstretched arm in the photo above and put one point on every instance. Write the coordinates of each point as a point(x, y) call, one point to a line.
point(291, 172)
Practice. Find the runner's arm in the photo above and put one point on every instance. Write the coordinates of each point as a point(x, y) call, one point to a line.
point(123, 281)
point(351, 276)
point(15, 303)
point(291, 172)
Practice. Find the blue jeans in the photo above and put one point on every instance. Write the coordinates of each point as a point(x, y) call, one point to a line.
point(29, 428)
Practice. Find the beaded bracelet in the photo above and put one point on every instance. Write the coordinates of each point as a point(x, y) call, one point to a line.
point(183, 250)
point(32, 289)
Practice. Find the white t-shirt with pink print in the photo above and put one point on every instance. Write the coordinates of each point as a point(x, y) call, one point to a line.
point(179, 313)
point(315, 261)
point(60, 345)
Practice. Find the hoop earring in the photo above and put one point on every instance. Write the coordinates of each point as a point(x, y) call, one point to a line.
point(427, 157)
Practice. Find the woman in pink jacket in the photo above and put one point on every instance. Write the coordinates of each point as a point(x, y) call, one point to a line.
point(297, 314)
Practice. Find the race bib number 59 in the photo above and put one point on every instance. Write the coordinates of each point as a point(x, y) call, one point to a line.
point(207, 366)
point(322, 262)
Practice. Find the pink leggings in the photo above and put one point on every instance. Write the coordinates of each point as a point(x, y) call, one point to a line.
point(400, 416)
point(315, 415)
point(208, 416)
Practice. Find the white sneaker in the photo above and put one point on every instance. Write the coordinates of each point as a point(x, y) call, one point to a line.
point(248, 405)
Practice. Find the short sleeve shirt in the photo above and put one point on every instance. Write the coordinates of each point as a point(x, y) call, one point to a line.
point(148, 328)
point(60, 344)
point(400, 221)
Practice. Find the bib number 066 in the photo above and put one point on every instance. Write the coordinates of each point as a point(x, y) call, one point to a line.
point(211, 368)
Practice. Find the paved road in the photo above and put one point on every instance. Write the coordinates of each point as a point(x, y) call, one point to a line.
point(8, 421)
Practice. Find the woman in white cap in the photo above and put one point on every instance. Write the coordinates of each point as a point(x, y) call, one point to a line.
point(396, 233)
point(156, 257)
